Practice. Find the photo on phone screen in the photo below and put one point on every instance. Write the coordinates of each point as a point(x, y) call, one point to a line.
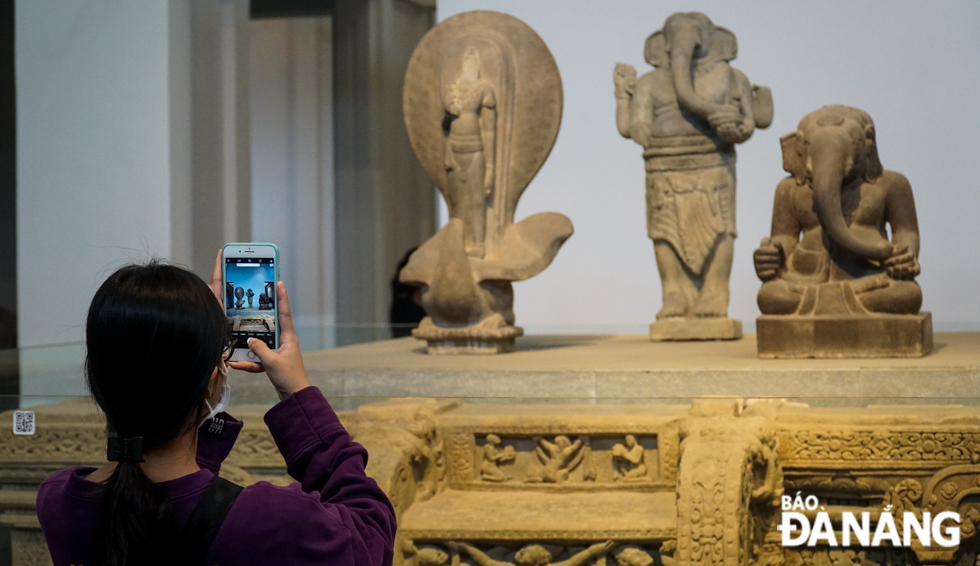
point(250, 299)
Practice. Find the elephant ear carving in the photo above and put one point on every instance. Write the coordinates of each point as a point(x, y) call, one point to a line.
point(794, 158)
point(724, 45)
point(655, 49)
point(873, 168)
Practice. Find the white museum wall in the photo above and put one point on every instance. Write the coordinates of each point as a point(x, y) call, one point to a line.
point(291, 92)
point(911, 65)
point(128, 146)
point(93, 155)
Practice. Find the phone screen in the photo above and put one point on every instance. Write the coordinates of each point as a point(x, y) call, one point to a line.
point(250, 299)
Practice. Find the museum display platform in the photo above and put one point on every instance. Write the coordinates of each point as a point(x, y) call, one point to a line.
point(613, 447)
point(631, 367)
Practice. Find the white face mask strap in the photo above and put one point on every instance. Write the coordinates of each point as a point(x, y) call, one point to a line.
point(225, 394)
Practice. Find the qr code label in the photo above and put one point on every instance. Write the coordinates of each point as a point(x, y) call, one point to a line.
point(23, 422)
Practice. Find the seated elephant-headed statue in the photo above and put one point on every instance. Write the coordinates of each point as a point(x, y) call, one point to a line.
point(834, 285)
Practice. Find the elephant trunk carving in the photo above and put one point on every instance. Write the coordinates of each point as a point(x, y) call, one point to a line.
point(830, 162)
point(684, 38)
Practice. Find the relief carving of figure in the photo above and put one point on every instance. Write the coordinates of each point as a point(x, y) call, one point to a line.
point(482, 105)
point(429, 555)
point(538, 555)
point(633, 556)
point(493, 456)
point(628, 460)
point(429, 456)
point(688, 114)
point(829, 252)
point(560, 457)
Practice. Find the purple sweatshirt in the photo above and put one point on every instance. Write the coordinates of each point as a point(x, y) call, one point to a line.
point(337, 516)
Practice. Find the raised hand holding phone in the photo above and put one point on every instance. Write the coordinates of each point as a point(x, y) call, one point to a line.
point(285, 365)
point(250, 273)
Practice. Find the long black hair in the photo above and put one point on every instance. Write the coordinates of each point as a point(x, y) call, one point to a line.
point(154, 335)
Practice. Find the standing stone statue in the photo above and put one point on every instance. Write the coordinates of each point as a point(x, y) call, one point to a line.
point(482, 103)
point(688, 114)
point(834, 285)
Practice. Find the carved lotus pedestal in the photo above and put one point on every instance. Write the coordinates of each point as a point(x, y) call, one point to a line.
point(492, 336)
point(845, 336)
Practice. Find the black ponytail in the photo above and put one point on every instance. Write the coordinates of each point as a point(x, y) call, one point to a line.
point(154, 334)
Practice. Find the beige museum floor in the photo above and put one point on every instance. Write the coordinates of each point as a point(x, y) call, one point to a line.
point(576, 368)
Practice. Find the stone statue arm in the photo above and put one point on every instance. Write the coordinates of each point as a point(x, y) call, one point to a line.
point(449, 162)
point(548, 447)
point(634, 456)
point(641, 111)
point(492, 454)
point(735, 122)
point(571, 462)
point(584, 557)
point(497, 455)
point(900, 214)
point(624, 79)
point(488, 133)
point(480, 557)
point(623, 116)
point(744, 99)
point(770, 258)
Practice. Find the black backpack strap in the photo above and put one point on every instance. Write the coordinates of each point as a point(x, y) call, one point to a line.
point(195, 540)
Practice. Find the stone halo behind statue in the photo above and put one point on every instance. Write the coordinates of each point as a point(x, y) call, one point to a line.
point(482, 103)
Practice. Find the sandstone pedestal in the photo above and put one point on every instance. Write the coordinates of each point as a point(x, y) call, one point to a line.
point(682, 329)
point(845, 336)
point(468, 339)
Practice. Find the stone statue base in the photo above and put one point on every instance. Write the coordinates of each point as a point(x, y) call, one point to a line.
point(693, 328)
point(478, 339)
point(845, 336)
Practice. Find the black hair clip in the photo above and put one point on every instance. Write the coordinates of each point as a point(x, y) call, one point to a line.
point(125, 449)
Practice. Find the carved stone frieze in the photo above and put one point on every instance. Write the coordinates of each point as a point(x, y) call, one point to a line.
point(730, 480)
point(29, 549)
point(848, 557)
point(535, 455)
point(512, 484)
point(256, 447)
point(446, 553)
point(882, 444)
point(84, 443)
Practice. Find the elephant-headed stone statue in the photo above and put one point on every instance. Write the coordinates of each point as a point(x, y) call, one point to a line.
point(688, 114)
point(833, 283)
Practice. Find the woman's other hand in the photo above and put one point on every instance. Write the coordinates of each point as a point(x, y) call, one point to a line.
point(216, 276)
point(285, 365)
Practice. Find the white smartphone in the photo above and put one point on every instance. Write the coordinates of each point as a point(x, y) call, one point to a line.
point(250, 274)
